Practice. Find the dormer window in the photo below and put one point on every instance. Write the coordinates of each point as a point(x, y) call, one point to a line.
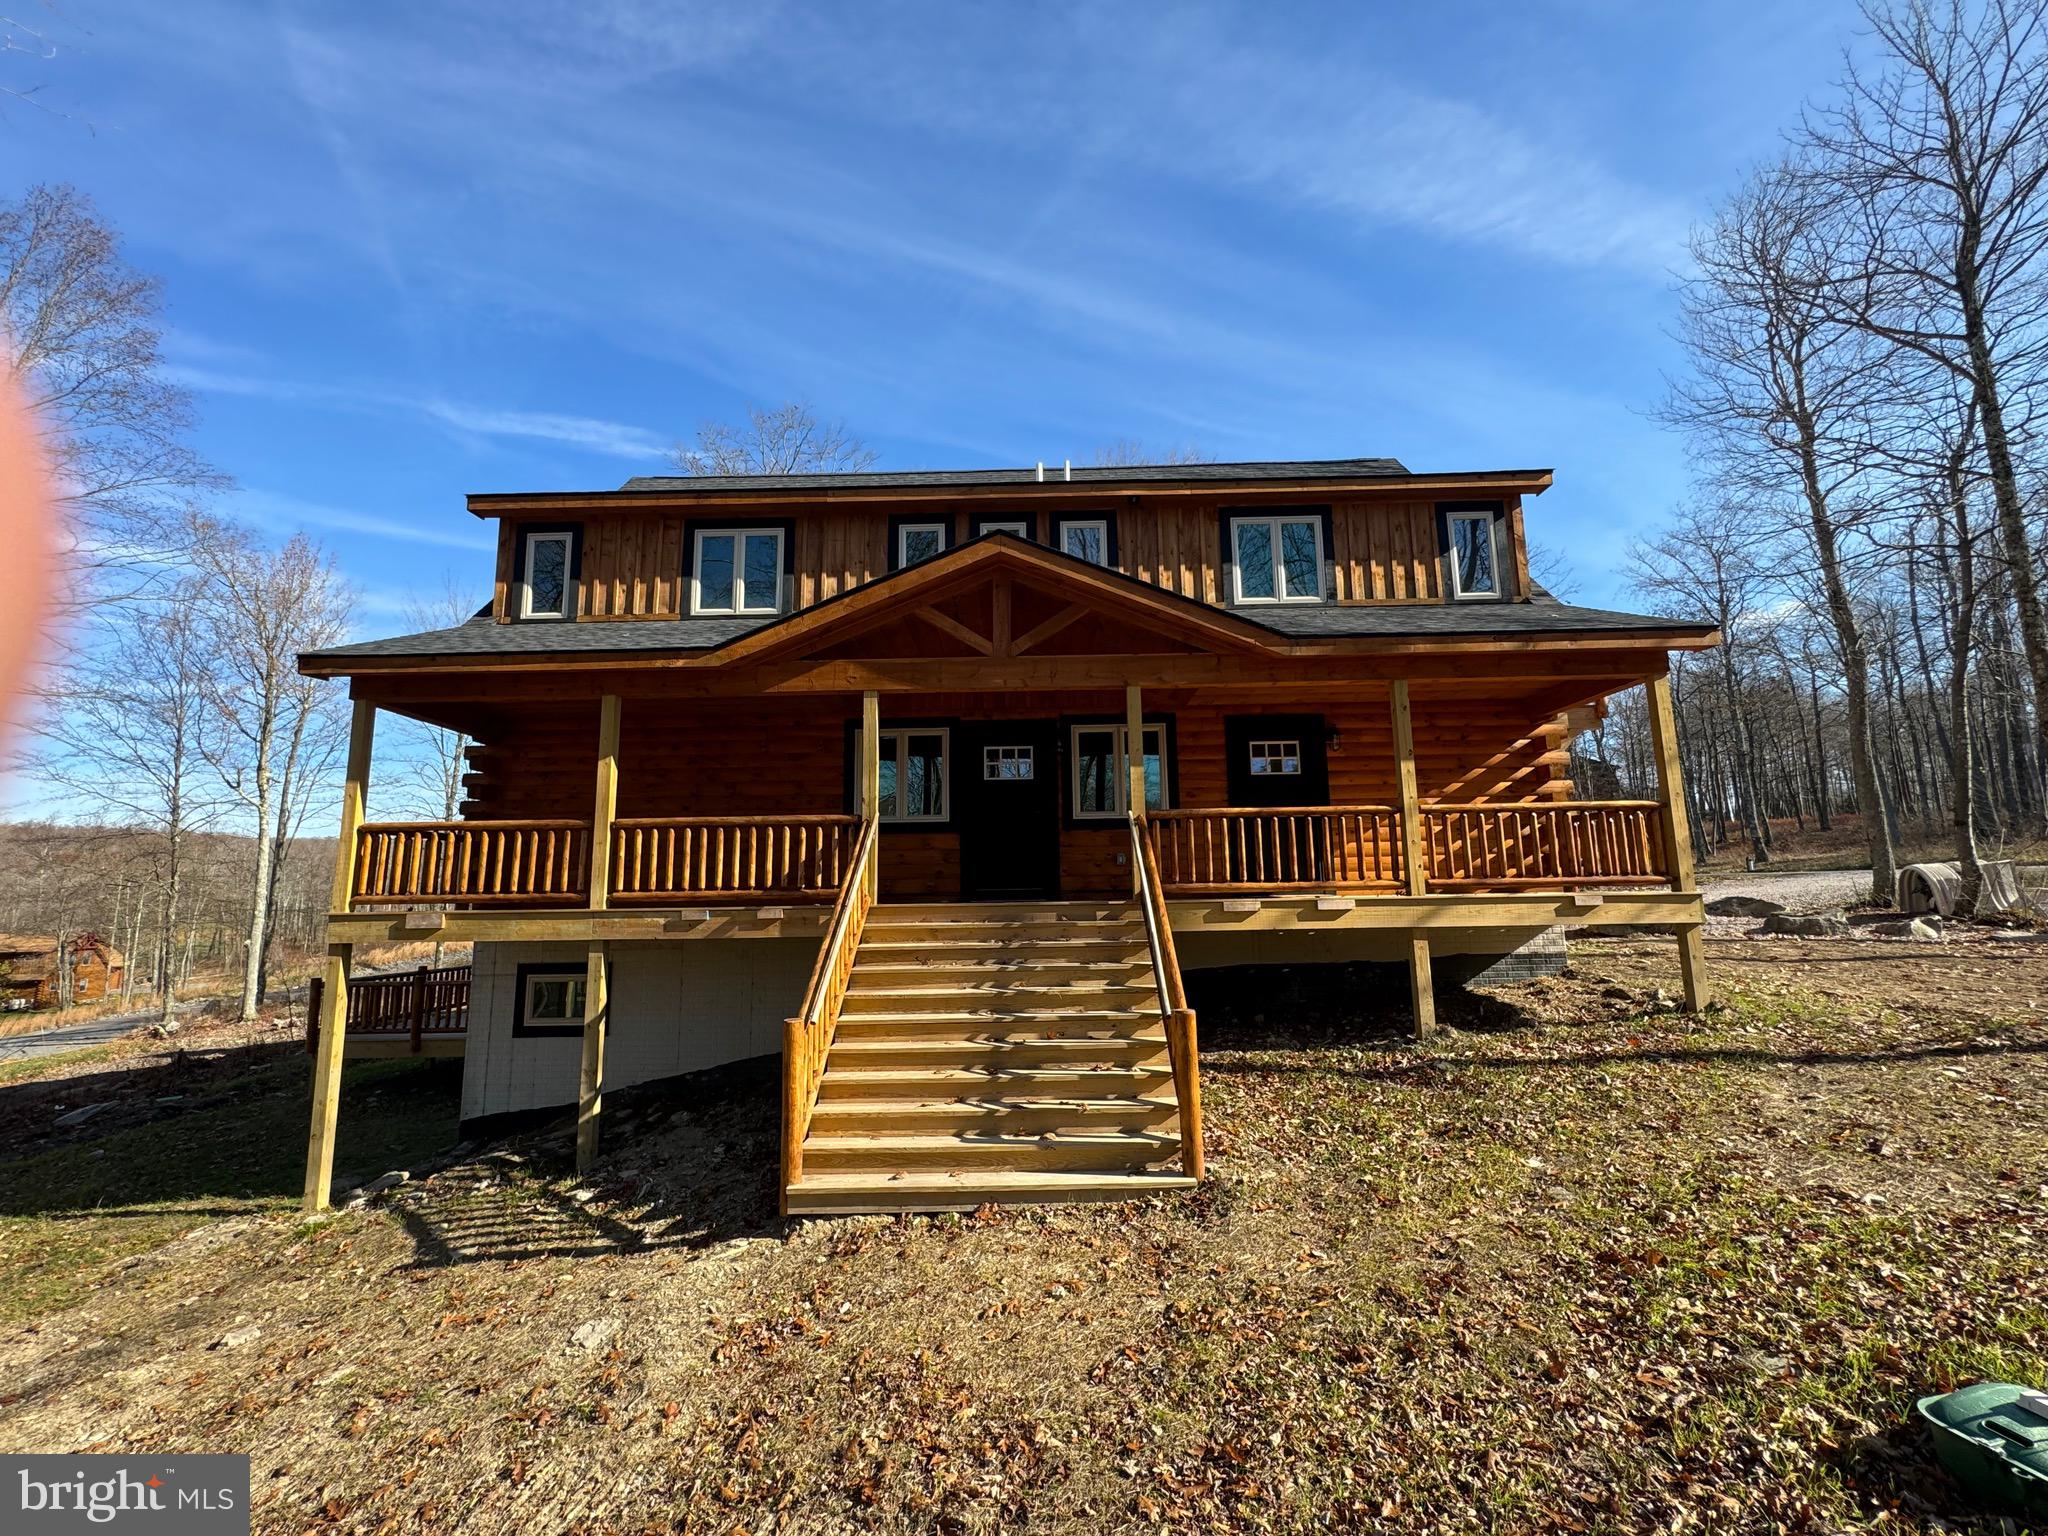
point(737, 570)
point(548, 565)
point(1277, 559)
point(1085, 538)
point(919, 542)
point(1474, 562)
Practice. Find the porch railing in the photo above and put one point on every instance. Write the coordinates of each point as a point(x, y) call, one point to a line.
point(1178, 1017)
point(807, 1038)
point(472, 863)
point(1535, 844)
point(1286, 848)
point(414, 1003)
point(1517, 845)
point(727, 858)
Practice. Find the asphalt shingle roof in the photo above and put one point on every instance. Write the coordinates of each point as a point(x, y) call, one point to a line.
point(1121, 474)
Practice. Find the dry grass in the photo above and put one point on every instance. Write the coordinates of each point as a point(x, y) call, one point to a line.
point(1580, 1264)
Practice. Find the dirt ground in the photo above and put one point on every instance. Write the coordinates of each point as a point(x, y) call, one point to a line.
point(1581, 1263)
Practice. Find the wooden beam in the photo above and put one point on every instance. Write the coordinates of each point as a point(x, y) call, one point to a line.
point(1414, 856)
point(590, 1079)
point(327, 1072)
point(1002, 628)
point(1421, 985)
point(1692, 954)
point(947, 624)
point(606, 805)
point(1045, 629)
point(355, 797)
point(871, 776)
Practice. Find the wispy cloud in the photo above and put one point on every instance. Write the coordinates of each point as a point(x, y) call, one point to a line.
point(285, 514)
point(613, 439)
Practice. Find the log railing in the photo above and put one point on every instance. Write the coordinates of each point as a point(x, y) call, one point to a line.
point(1286, 848)
point(415, 1003)
point(1531, 845)
point(472, 863)
point(1509, 846)
point(807, 1038)
point(731, 858)
point(1178, 1017)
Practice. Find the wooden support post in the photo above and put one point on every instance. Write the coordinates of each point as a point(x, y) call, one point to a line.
point(1692, 956)
point(871, 777)
point(1421, 985)
point(419, 1007)
point(590, 1083)
point(313, 990)
point(355, 796)
point(1414, 856)
point(333, 1029)
point(796, 1077)
point(606, 805)
point(1134, 767)
point(1187, 1088)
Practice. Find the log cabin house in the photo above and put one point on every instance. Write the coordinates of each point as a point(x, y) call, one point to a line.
point(32, 968)
point(936, 783)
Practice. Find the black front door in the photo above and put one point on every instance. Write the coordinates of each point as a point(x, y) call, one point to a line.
point(1278, 760)
point(1009, 812)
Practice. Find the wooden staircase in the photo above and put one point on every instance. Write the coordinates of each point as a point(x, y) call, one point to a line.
point(1014, 1053)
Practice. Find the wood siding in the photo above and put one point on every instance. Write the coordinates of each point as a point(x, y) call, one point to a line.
point(635, 565)
point(772, 757)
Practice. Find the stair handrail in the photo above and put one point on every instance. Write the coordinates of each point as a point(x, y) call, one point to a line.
point(807, 1037)
point(1179, 1018)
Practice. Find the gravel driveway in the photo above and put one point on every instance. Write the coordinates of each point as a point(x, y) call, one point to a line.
point(1818, 890)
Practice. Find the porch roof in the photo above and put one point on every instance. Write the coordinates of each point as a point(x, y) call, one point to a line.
point(1542, 615)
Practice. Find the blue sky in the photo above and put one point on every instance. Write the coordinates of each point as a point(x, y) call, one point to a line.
point(415, 251)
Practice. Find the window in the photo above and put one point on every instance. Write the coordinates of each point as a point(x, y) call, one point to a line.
point(1021, 527)
point(1276, 757)
point(549, 1000)
point(913, 775)
point(545, 592)
point(1277, 559)
point(738, 570)
point(918, 542)
point(1100, 783)
point(1474, 572)
point(1007, 763)
point(1086, 539)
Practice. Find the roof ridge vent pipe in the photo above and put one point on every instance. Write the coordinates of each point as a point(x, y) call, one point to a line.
point(1041, 469)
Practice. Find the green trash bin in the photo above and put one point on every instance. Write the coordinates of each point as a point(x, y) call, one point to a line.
point(1993, 1438)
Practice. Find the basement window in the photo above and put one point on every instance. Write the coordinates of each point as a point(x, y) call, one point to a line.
point(544, 594)
point(737, 570)
point(1101, 787)
point(549, 1000)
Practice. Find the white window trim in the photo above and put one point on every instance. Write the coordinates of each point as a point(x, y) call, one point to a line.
point(1451, 521)
point(739, 536)
point(1099, 524)
point(901, 735)
point(1017, 527)
point(568, 608)
point(1121, 788)
point(903, 532)
point(534, 1020)
point(1265, 749)
point(1272, 525)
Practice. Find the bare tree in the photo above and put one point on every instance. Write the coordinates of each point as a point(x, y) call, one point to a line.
point(1126, 452)
point(1941, 155)
point(1782, 399)
point(259, 608)
point(788, 439)
point(128, 734)
point(81, 328)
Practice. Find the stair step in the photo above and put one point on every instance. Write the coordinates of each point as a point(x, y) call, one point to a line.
point(1018, 964)
point(1014, 927)
point(1031, 1050)
point(1005, 996)
point(849, 1194)
point(976, 1013)
point(1001, 1112)
point(990, 946)
point(902, 1083)
point(914, 1151)
point(1003, 911)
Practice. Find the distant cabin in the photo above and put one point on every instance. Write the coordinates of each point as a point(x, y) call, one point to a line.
point(31, 965)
